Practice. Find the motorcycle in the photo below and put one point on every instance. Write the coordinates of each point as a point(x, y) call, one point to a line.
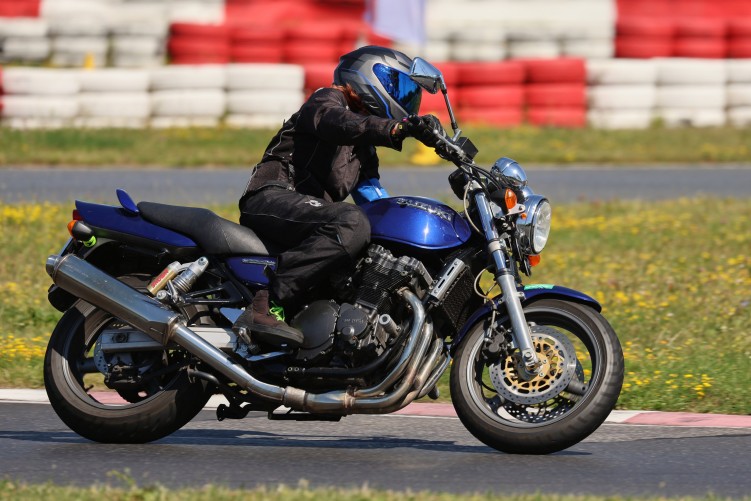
point(150, 292)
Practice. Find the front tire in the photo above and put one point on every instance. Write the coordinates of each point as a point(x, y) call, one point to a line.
point(535, 416)
point(135, 415)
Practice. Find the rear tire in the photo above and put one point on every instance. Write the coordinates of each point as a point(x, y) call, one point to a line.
point(160, 408)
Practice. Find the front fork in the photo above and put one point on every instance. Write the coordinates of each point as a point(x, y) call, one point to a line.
point(505, 278)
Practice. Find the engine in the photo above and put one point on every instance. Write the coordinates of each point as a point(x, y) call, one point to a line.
point(353, 333)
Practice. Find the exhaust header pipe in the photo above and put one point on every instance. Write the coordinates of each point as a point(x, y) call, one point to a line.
point(91, 284)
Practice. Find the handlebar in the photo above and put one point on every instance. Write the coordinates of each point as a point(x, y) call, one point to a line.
point(461, 152)
point(453, 152)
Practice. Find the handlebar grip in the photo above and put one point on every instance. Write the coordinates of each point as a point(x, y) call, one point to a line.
point(415, 120)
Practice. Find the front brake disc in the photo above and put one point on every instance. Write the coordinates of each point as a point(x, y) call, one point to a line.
point(558, 358)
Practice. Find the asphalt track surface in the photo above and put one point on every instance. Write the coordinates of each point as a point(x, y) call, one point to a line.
point(216, 186)
point(396, 452)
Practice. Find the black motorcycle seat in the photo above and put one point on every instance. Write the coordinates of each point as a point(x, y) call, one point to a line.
point(212, 233)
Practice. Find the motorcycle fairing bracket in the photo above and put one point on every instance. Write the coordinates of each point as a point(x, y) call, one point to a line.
point(532, 293)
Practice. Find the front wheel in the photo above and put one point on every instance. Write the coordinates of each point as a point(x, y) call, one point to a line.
point(571, 395)
point(120, 397)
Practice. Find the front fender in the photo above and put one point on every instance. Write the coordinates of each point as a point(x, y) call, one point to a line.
point(532, 294)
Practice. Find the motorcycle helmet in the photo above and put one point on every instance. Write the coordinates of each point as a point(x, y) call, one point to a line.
point(380, 76)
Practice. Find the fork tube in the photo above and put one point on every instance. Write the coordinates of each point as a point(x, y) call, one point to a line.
point(505, 279)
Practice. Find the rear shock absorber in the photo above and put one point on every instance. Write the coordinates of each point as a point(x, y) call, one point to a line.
point(182, 276)
point(185, 280)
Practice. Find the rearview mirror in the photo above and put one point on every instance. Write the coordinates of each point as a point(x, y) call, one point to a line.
point(427, 76)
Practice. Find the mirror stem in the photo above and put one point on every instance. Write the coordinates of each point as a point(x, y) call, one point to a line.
point(452, 117)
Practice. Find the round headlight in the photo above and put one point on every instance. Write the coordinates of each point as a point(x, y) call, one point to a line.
point(534, 229)
point(509, 173)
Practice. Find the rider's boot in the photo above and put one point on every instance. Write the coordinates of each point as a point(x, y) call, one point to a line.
point(267, 324)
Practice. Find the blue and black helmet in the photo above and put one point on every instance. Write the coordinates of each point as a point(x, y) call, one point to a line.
point(380, 76)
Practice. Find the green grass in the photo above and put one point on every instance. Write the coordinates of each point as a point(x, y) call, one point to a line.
point(242, 148)
point(674, 278)
point(16, 491)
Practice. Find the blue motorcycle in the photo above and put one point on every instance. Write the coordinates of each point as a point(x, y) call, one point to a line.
point(150, 292)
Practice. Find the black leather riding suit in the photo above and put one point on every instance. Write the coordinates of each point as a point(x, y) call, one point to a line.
point(294, 196)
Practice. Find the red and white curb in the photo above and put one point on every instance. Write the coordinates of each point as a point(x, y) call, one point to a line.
point(654, 418)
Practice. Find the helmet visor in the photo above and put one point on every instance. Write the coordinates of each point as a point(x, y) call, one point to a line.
point(400, 87)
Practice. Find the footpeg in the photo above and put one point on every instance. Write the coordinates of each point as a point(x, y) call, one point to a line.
point(231, 412)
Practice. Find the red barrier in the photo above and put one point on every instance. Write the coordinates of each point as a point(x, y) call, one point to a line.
point(555, 70)
point(191, 43)
point(19, 8)
point(739, 28)
point(682, 28)
point(193, 30)
point(501, 73)
point(319, 32)
point(707, 48)
point(557, 117)
point(434, 104)
point(643, 48)
point(251, 44)
point(701, 28)
point(499, 96)
point(645, 27)
point(255, 34)
point(739, 48)
point(498, 117)
point(318, 75)
point(258, 53)
point(306, 52)
point(564, 95)
point(451, 74)
point(313, 42)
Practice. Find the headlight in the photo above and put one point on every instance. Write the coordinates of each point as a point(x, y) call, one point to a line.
point(509, 173)
point(533, 230)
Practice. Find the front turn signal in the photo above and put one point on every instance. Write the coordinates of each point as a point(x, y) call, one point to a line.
point(510, 199)
point(534, 260)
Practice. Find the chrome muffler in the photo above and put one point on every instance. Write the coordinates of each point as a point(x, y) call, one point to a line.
point(94, 286)
point(91, 284)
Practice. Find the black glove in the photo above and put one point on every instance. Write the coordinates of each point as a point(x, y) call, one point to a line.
point(422, 128)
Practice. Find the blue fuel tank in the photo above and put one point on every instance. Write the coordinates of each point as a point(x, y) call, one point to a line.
point(417, 222)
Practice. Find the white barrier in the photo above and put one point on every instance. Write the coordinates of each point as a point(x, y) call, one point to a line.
point(114, 80)
point(115, 105)
point(208, 76)
point(621, 94)
point(260, 76)
point(40, 81)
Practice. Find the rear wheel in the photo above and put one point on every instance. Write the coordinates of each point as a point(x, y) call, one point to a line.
point(144, 396)
point(577, 386)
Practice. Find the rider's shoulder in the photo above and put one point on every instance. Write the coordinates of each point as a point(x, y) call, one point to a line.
point(328, 94)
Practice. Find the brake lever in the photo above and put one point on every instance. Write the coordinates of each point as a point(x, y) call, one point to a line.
point(462, 156)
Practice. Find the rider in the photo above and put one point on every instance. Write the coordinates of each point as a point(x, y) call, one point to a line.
point(319, 156)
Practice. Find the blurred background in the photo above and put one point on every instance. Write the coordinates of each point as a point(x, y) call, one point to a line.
point(617, 64)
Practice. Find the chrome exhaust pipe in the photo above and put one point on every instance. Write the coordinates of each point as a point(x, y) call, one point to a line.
point(91, 284)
